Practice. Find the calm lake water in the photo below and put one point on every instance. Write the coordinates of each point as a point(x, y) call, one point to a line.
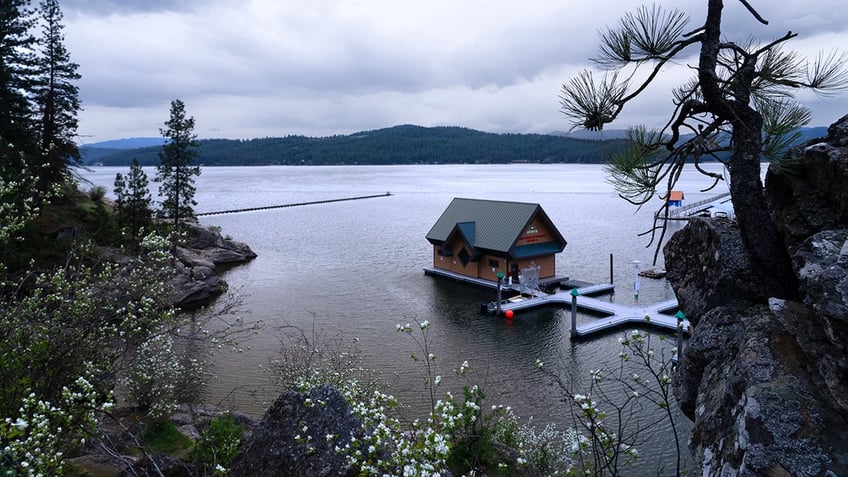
point(355, 269)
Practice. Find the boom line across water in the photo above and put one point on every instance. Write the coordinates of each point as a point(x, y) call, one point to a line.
point(297, 204)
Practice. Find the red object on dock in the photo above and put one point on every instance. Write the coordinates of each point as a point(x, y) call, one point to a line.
point(509, 314)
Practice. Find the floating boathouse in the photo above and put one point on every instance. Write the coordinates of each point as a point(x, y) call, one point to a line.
point(477, 238)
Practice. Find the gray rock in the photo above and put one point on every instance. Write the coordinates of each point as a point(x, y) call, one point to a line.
point(193, 258)
point(709, 267)
point(765, 380)
point(221, 256)
point(752, 382)
point(272, 450)
point(810, 195)
point(203, 237)
point(821, 263)
point(196, 282)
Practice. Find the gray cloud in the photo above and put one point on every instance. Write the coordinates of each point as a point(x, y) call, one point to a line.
point(100, 7)
point(269, 67)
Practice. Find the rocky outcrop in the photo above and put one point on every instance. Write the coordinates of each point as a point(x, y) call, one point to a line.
point(291, 438)
point(765, 392)
point(810, 194)
point(766, 380)
point(196, 281)
point(709, 267)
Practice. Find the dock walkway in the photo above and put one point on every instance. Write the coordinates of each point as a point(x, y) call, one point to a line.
point(709, 207)
point(615, 315)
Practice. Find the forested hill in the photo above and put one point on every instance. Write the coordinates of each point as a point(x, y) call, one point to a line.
point(396, 145)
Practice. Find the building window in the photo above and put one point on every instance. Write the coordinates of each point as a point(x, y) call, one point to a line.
point(445, 252)
point(464, 257)
point(493, 263)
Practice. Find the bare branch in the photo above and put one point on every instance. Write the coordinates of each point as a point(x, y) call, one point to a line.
point(753, 12)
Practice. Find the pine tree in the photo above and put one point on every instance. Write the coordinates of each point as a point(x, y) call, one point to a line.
point(133, 202)
point(120, 191)
point(175, 173)
point(17, 141)
point(138, 202)
point(56, 97)
point(739, 102)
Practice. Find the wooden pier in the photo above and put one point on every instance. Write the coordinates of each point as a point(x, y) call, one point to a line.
point(613, 315)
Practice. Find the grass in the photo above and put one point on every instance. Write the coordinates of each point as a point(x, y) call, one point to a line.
point(165, 438)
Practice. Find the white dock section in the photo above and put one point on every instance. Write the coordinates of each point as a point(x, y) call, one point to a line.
point(616, 315)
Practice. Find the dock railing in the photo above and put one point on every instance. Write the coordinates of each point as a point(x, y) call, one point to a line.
point(682, 212)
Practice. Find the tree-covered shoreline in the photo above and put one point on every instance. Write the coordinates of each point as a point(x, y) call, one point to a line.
point(397, 145)
point(405, 144)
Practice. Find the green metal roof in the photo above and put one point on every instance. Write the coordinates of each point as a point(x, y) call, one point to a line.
point(537, 249)
point(469, 230)
point(496, 224)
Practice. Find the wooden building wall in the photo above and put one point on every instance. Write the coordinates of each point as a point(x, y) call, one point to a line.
point(483, 268)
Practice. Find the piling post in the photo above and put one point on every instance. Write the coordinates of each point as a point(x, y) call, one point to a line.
point(611, 279)
point(636, 265)
point(500, 279)
point(680, 317)
point(574, 294)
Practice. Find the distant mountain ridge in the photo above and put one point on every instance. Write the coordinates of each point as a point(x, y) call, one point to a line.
point(127, 143)
point(403, 144)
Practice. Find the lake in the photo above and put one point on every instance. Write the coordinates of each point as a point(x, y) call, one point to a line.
point(355, 269)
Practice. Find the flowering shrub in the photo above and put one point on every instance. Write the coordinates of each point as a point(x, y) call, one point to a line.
point(218, 444)
point(550, 450)
point(152, 378)
point(19, 198)
point(66, 334)
point(33, 443)
point(606, 414)
point(463, 435)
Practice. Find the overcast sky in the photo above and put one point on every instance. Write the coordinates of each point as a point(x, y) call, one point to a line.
point(271, 68)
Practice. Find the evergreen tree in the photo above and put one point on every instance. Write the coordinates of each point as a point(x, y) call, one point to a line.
point(120, 191)
point(738, 102)
point(175, 173)
point(17, 141)
point(133, 202)
point(56, 97)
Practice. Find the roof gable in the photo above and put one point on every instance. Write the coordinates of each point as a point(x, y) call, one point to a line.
point(487, 224)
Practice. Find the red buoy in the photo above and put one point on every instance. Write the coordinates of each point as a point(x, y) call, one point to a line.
point(508, 314)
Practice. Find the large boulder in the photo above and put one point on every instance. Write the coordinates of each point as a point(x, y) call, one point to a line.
point(207, 244)
point(709, 267)
point(196, 282)
point(810, 194)
point(821, 264)
point(291, 439)
point(766, 380)
point(759, 385)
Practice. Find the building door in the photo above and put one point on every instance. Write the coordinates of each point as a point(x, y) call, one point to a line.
point(514, 272)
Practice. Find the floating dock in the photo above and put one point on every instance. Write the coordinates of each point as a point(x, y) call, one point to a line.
point(718, 206)
point(613, 314)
